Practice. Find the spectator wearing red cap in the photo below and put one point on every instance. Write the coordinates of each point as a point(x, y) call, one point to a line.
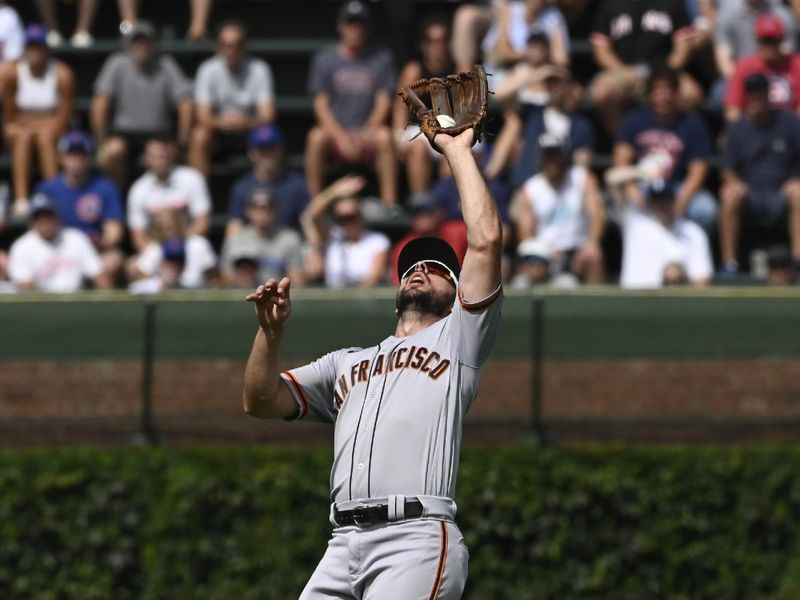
point(735, 31)
point(781, 67)
point(38, 93)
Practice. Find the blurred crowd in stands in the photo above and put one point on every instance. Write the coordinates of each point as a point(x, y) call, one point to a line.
point(696, 102)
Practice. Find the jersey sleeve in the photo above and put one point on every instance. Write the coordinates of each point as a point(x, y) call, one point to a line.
point(312, 387)
point(474, 327)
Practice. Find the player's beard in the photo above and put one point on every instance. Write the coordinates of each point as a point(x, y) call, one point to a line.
point(411, 300)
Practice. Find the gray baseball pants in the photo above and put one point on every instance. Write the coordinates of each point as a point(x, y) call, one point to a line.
point(418, 559)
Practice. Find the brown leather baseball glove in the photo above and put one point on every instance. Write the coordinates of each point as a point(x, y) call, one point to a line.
point(462, 97)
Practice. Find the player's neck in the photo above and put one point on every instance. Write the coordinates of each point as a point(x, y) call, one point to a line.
point(413, 322)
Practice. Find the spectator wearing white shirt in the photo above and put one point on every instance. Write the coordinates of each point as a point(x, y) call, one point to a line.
point(655, 242)
point(173, 258)
point(12, 34)
point(166, 185)
point(562, 206)
point(234, 93)
point(347, 254)
point(51, 258)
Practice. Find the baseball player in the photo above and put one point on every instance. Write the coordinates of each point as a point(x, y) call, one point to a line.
point(397, 407)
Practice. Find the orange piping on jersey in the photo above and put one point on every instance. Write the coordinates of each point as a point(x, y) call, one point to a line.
point(300, 393)
point(437, 583)
point(478, 307)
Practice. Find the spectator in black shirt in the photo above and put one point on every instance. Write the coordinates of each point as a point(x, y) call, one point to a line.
point(629, 38)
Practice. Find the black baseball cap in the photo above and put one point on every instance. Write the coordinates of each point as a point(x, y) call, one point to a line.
point(354, 10)
point(428, 249)
point(756, 82)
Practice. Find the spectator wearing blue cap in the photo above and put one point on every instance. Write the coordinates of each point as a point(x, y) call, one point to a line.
point(266, 151)
point(52, 258)
point(234, 92)
point(655, 240)
point(38, 95)
point(86, 199)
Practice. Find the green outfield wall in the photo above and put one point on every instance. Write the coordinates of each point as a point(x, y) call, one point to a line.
point(595, 362)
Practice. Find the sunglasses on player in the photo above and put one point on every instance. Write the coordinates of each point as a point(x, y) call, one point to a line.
point(431, 268)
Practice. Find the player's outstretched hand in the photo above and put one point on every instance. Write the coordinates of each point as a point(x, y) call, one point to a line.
point(273, 304)
point(449, 142)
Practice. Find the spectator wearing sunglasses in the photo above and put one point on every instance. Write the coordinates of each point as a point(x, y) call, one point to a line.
point(344, 253)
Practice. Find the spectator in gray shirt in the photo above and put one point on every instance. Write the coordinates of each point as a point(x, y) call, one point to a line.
point(136, 94)
point(352, 85)
point(233, 94)
point(276, 250)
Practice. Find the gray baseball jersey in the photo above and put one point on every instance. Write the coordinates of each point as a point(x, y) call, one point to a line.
point(398, 407)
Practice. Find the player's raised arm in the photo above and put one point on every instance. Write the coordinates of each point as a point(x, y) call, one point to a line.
point(480, 272)
point(265, 396)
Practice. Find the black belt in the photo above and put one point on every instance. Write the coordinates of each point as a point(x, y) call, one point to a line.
point(365, 516)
